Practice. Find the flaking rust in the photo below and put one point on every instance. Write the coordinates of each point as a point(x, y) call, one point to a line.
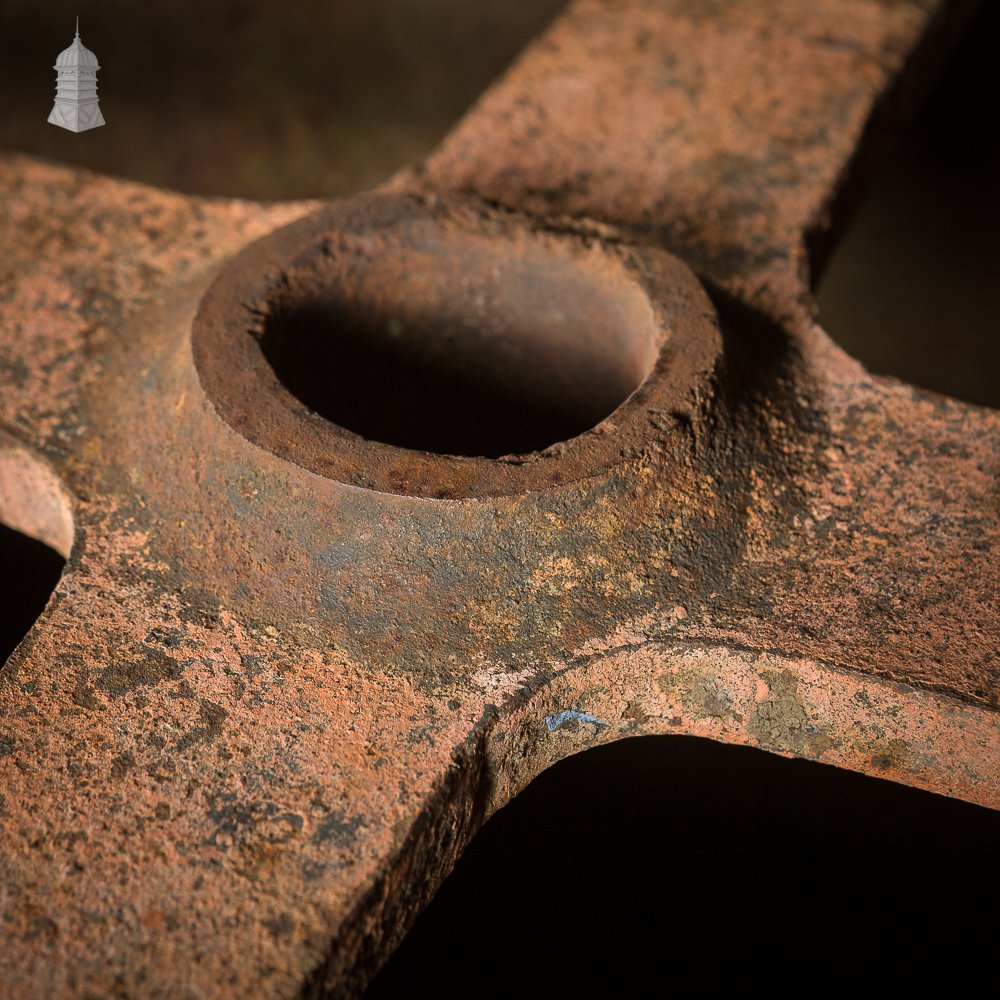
point(291, 668)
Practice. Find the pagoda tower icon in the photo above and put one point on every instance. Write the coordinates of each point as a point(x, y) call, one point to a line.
point(76, 106)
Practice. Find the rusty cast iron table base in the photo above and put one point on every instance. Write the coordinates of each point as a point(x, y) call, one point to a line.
point(373, 510)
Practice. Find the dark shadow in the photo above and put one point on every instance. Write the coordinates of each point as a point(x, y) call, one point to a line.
point(910, 289)
point(659, 859)
point(29, 572)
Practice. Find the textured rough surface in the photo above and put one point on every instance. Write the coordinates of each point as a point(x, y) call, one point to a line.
point(724, 131)
point(289, 670)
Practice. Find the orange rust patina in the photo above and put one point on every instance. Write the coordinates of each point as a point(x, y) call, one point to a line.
point(585, 450)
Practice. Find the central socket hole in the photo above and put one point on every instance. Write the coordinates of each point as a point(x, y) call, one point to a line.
point(461, 343)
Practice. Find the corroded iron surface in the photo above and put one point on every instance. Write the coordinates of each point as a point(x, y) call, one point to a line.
point(310, 635)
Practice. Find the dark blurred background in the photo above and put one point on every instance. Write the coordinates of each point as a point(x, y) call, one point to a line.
point(637, 860)
point(255, 98)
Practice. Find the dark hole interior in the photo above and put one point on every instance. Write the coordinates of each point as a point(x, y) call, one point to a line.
point(29, 572)
point(662, 860)
point(347, 370)
point(451, 343)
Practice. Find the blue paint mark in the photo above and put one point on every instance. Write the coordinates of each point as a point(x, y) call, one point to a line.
point(570, 715)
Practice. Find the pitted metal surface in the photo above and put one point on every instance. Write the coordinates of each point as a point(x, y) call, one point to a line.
point(330, 601)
